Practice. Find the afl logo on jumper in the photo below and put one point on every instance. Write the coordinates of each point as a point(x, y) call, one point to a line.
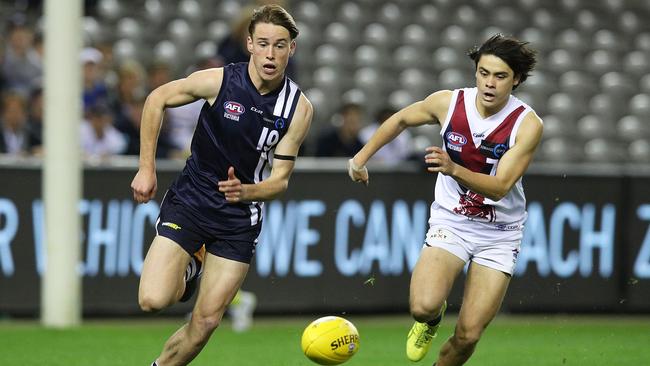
point(233, 110)
point(455, 141)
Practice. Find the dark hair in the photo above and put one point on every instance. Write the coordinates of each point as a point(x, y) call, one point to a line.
point(515, 53)
point(274, 14)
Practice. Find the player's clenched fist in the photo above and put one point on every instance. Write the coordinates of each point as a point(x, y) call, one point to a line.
point(144, 186)
point(356, 173)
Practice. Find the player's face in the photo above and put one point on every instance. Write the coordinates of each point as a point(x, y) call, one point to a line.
point(270, 47)
point(494, 80)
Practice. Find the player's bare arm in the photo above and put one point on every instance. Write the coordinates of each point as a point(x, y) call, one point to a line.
point(287, 148)
point(511, 167)
point(201, 84)
point(431, 110)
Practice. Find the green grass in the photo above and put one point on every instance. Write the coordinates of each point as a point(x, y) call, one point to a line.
point(509, 341)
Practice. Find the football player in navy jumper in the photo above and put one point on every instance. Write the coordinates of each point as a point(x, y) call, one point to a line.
point(243, 152)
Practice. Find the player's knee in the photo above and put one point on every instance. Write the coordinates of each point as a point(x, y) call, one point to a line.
point(151, 304)
point(467, 337)
point(424, 312)
point(203, 326)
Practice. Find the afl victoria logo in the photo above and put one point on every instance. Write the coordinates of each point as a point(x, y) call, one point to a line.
point(233, 108)
point(456, 138)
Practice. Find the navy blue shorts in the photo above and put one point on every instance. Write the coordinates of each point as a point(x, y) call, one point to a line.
point(176, 223)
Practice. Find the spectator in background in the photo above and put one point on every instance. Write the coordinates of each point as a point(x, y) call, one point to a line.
point(99, 138)
point(159, 73)
point(94, 88)
point(13, 124)
point(22, 65)
point(35, 123)
point(342, 140)
point(394, 152)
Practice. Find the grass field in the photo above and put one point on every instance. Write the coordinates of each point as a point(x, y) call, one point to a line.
point(509, 341)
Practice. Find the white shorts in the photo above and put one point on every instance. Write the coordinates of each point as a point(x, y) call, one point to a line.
point(501, 256)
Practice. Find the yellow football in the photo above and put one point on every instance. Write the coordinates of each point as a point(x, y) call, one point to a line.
point(330, 340)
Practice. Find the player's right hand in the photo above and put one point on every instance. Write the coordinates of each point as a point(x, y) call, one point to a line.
point(144, 186)
point(358, 174)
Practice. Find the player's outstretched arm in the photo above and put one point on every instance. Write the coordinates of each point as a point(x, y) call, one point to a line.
point(511, 167)
point(431, 110)
point(283, 163)
point(201, 84)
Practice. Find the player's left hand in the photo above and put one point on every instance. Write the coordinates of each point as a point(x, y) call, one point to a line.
point(438, 160)
point(231, 188)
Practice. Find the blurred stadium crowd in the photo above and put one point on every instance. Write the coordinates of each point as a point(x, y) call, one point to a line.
point(357, 61)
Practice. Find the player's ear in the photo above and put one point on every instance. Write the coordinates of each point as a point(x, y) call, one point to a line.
point(249, 44)
point(292, 48)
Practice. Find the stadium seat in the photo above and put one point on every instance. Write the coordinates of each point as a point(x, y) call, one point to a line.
point(452, 79)
point(205, 49)
point(640, 106)
point(109, 9)
point(456, 37)
point(409, 56)
point(190, 10)
point(561, 60)
point(180, 32)
point(125, 49)
point(368, 55)
point(228, 9)
point(572, 40)
point(629, 23)
point(617, 83)
point(447, 57)
point(592, 126)
point(538, 39)
point(400, 98)
point(639, 151)
point(508, 19)
point(637, 63)
point(586, 21)
point(565, 106)
point(430, 16)
point(607, 106)
point(644, 84)
point(642, 42)
point(391, 15)
point(338, 33)
point(417, 81)
point(367, 78)
point(165, 51)
point(599, 62)
point(577, 83)
point(154, 11)
point(129, 28)
point(377, 34)
point(92, 30)
point(601, 150)
point(308, 12)
point(555, 127)
point(632, 127)
point(560, 150)
point(328, 54)
point(356, 96)
point(350, 13)
point(218, 30)
point(326, 77)
point(416, 35)
point(605, 39)
point(466, 17)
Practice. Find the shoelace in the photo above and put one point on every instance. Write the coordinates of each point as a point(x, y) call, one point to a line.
point(425, 336)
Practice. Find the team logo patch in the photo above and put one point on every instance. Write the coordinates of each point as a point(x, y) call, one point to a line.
point(233, 110)
point(171, 225)
point(455, 141)
point(279, 123)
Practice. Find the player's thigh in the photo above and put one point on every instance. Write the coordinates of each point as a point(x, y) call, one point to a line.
point(433, 276)
point(484, 291)
point(220, 281)
point(163, 269)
